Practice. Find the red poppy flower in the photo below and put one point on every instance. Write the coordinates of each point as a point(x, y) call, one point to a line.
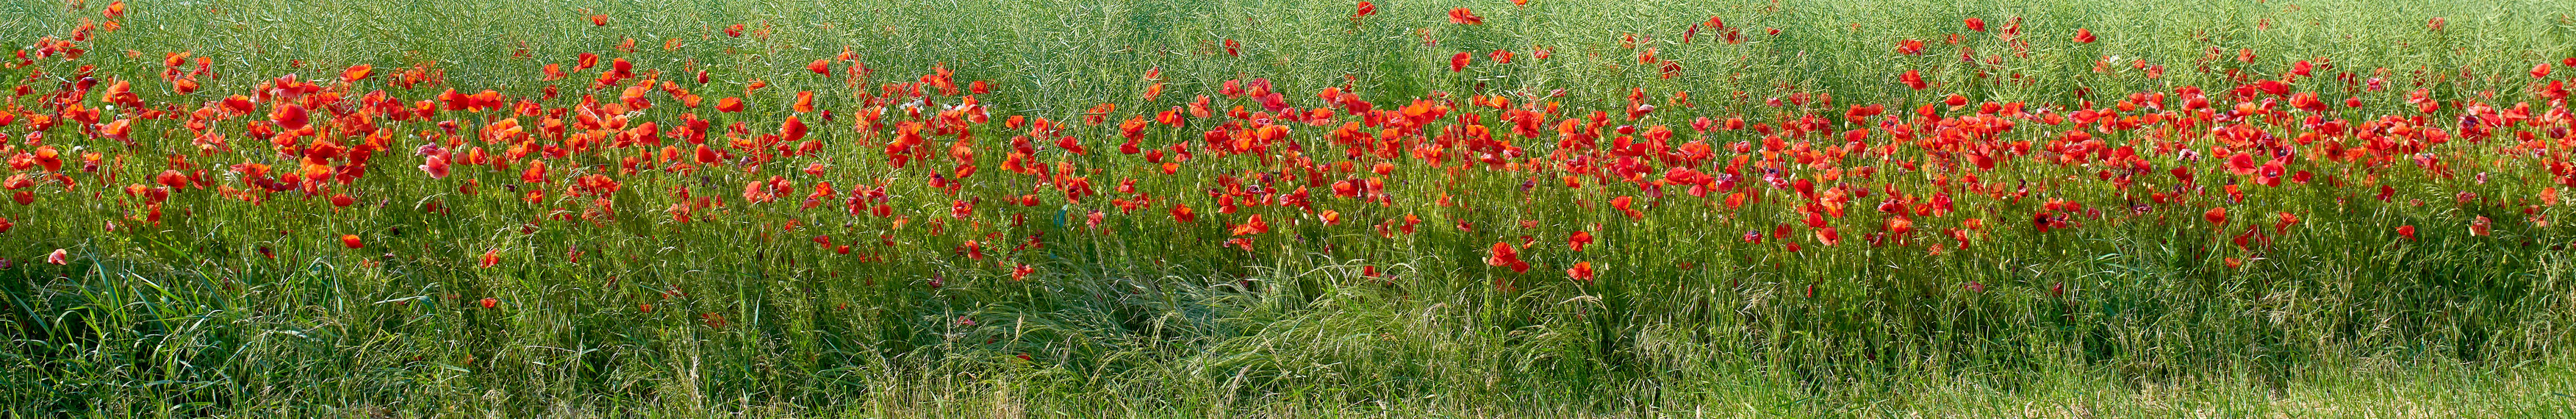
point(360, 72)
point(1463, 17)
point(2251, 238)
point(1504, 255)
point(1252, 226)
point(351, 240)
point(289, 116)
point(1582, 271)
point(171, 178)
point(1623, 205)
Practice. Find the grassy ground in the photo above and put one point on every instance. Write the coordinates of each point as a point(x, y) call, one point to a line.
point(231, 307)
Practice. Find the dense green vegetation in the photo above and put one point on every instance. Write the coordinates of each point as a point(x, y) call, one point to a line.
point(2388, 285)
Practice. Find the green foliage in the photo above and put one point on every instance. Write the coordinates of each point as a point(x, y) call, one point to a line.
point(234, 308)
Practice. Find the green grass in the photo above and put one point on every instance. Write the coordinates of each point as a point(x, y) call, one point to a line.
point(1148, 317)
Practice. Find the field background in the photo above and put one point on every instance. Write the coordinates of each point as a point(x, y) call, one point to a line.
point(2341, 319)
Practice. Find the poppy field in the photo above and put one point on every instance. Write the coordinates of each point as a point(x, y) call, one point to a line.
point(1089, 208)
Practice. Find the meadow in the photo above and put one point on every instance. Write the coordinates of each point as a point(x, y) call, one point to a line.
point(1209, 208)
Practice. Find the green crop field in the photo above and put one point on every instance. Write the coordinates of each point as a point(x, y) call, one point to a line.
point(1216, 208)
